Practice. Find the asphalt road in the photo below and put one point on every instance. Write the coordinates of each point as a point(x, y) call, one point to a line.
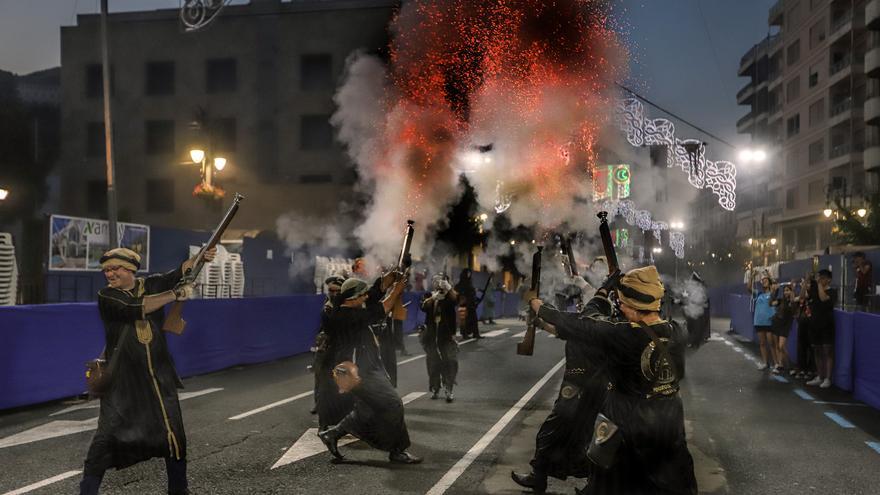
point(250, 431)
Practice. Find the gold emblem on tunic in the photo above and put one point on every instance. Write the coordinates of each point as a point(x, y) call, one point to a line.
point(568, 392)
point(603, 432)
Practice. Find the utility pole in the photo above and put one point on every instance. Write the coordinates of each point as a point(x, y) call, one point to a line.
point(108, 131)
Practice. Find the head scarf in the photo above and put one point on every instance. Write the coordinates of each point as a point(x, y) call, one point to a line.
point(352, 289)
point(641, 289)
point(123, 257)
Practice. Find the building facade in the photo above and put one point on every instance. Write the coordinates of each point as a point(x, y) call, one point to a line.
point(814, 104)
point(255, 87)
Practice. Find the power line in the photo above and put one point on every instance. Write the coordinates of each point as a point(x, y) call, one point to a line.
point(658, 107)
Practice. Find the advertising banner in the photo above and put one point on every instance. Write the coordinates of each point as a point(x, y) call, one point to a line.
point(78, 243)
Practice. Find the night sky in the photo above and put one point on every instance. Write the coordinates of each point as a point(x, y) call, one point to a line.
point(686, 52)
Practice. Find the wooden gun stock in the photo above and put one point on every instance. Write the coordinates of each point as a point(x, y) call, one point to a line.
point(608, 243)
point(174, 322)
point(527, 346)
point(569, 254)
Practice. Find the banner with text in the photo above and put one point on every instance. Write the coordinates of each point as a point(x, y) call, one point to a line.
point(78, 243)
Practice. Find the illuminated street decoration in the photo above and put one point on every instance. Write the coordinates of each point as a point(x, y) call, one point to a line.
point(196, 14)
point(687, 154)
point(642, 219)
point(502, 199)
point(611, 182)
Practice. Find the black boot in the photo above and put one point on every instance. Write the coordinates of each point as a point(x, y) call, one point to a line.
point(404, 457)
point(330, 437)
point(90, 484)
point(435, 394)
point(536, 481)
point(449, 396)
point(176, 470)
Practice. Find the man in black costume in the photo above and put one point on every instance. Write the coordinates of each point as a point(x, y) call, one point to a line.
point(467, 296)
point(645, 357)
point(438, 339)
point(378, 415)
point(319, 368)
point(560, 447)
point(140, 415)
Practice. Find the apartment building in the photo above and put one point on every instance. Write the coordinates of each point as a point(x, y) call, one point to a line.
point(256, 87)
point(814, 105)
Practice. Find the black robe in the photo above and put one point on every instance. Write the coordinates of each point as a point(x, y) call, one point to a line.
point(438, 340)
point(468, 296)
point(330, 405)
point(377, 417)
point(654, 457)
point(560, 446)
point(140, 414)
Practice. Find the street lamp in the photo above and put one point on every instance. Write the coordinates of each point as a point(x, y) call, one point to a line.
point(752, 155)
point(827, 212)
point(861, 212)
point(3, 193)
point(484, 217)
point(208, 166)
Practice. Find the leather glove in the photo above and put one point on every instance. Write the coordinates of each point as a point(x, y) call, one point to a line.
point(580, 283)
point(444, 285)
point(183, 292)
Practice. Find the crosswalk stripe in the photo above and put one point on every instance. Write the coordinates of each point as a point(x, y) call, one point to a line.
point(45, 482)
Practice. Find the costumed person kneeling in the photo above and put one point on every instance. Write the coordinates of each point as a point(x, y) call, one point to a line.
point(140, 415)
point(639, 439)
point(378, 415)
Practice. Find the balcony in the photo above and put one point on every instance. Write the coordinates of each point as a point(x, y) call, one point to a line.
point(872, 61)
point(774, 18)
point(871, 157)
point(775, 112)
point(745, 93)
point(840, 26)
point(872, 14)
point(838, 66)
point(844, 154)
point(744, 124)
point(872, 110)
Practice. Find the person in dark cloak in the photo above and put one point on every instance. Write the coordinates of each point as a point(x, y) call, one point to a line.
point(378, 415)
point(319, 367)
point(560, 446)
point(438, 339)
point(467, 295)
point(140, 415)
point(645, 357)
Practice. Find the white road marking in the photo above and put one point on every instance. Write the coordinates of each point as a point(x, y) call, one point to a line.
point(459, 468)
point(45, 482)
point(270, 406)
point(518, 335)
point(97, 403)
point(52, 429)
point(309, 444)
point(828, 403)
point(420, 356)
point(495, 333)
point(466, 341)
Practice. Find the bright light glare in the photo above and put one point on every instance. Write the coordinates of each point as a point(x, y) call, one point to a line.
point(3, 194)
point(861, 212)
point(197, 155)
point(657, 250)
point(219, 163)
point(484, 217)
point(759, 156)
point(827, 212)
point(745, 156)
point(773, 241)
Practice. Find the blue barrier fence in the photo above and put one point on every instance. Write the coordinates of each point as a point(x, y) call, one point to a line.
point(856, 347)
point(46, 346)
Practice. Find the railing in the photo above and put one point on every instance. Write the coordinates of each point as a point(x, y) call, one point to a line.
point(744, 90)
point(838, 23)
point(745, 119)
point(872, 139)
point(776, 10)
point(843, 106)
point(840, 65)
point(843, 149)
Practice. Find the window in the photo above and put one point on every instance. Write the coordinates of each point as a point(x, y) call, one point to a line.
point(793, 54)
point(817, 151)
point(791, 198)
point(221, 75)
point(160, 195)
point(793, 125)
point(815, 193)
point(159, 78)
point(814, 75)
point(315, 132)
point(95, 139)
point(158, 137)
point(96, 201)
point(817, 33)
point(817, 112)
point(315, 179)
point(793, 89)
point(792, 161)
point(95, 81)
point(315, 72)
point(224, 134)
point(794, 15)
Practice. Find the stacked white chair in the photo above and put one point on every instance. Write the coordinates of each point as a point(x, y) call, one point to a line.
point(233, 274)
point(222, 278)
point(8, 271)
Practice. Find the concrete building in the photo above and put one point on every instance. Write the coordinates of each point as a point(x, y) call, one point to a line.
point(260, 78)
point(814, 105)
